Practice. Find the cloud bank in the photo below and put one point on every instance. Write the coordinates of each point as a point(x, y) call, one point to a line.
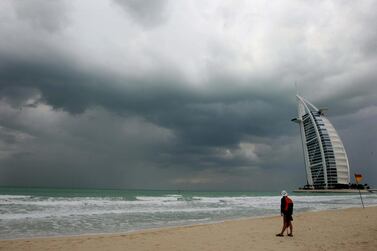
point(180, 95)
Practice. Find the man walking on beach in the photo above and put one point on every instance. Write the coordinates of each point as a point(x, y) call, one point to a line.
point(286, 210)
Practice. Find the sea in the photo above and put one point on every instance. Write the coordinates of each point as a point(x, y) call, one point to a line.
point(41, 212)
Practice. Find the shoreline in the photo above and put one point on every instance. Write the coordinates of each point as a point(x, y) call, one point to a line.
point(159, 228)
point(317, 230)
point(140, 231)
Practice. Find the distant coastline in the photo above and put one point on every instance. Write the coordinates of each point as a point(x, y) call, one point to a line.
point(331, 191)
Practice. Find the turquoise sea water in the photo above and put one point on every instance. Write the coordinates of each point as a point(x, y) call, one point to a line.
point(37, 212)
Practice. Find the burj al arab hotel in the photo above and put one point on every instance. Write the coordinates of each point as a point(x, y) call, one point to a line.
point(325, 158)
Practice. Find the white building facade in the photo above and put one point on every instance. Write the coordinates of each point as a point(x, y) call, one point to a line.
point(325, 158)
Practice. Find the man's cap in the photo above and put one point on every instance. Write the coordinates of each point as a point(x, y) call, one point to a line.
point(284, 193)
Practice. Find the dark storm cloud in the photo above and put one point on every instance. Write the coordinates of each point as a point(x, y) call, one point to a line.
point(204, 104)
point(79, 149)
point(160, 99)
point(191, 114)
point(41, 14)
point(201, 124)
point(144, 12)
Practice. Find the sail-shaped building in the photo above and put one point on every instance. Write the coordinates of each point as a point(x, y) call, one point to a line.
point(325, 158)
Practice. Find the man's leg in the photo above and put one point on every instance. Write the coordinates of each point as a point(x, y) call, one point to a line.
point(284, 225)
point(290, 228)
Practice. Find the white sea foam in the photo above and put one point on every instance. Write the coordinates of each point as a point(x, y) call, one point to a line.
point(68, 213)
point(158, 199)
point(88, 206)
point(244, 201)
point(9, 197)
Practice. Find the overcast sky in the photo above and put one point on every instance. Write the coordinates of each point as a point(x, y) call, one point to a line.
point(180, 94)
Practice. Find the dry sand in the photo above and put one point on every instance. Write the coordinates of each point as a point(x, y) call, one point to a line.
point(349, 229)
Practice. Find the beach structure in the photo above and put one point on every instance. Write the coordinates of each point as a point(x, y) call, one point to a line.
point(325, 158)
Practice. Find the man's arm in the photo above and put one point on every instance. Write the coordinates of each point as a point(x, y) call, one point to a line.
point(282, 205)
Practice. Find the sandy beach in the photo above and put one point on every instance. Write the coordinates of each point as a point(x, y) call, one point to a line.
point(347, 229)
